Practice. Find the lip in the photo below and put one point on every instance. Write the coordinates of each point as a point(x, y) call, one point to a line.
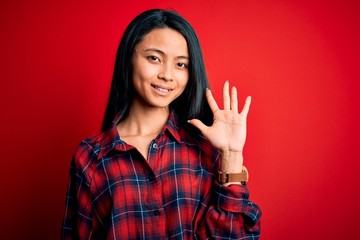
point(162, 90)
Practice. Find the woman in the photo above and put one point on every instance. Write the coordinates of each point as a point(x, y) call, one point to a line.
point(156, 170)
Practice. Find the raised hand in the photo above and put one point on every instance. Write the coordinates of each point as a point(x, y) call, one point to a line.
point(228, 131)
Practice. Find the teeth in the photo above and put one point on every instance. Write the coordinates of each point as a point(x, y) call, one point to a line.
point(162, 89)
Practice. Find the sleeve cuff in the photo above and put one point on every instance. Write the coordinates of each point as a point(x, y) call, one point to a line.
point(233, 198)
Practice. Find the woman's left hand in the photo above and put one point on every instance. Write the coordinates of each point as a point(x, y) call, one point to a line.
point(228, 132)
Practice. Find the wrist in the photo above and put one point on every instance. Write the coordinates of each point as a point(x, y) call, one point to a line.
point(231, 161)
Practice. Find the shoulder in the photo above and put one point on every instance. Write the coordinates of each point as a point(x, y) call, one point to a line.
point(88, 151)
point(89, 145)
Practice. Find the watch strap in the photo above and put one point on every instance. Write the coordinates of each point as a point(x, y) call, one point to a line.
point(242, 177)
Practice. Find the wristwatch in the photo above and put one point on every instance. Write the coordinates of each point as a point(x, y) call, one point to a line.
point(242, 177)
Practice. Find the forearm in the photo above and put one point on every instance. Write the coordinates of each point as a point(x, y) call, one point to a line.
point(231, 215)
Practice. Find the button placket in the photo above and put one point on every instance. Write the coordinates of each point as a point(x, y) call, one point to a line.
point(155, 186)
point(152, 150)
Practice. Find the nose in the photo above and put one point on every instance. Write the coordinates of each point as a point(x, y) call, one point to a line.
point(165, 73)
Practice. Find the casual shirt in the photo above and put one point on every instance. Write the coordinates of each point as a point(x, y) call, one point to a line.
point(114, 193)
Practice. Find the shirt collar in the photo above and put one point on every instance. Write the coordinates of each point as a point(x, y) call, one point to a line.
point(111, 140)
point(172, 126)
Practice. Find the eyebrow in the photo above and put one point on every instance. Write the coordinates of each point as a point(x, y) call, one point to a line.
point(163, 53)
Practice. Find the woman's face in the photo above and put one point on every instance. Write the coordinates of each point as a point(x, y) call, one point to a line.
point(160, 67)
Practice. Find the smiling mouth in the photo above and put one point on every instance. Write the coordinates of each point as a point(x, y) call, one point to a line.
point(162, 89)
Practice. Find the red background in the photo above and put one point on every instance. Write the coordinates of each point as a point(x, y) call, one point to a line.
point(299, 60)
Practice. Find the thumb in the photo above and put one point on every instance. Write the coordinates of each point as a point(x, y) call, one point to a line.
point(199, 125)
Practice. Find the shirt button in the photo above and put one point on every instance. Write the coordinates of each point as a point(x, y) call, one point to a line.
point(151, 178)
point(155, 145)
point(157, 212)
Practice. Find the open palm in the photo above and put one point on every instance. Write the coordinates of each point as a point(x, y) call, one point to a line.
point(228, 131)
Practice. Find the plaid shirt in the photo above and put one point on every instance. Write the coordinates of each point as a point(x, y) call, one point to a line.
point(114, 193)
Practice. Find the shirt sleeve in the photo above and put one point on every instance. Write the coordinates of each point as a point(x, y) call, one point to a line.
point(77, 222)
point(230, 215)
point(226, 212)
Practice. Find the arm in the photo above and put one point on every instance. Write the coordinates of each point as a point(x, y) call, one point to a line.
point(77, 222)
point(229, 214)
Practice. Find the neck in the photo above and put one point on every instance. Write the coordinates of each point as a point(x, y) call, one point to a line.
point(143, 120)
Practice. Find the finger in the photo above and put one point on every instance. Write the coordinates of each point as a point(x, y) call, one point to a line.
point(234, 100)
point(211, 101)
point(226, 96)
point(199, 125)
point(246, 107)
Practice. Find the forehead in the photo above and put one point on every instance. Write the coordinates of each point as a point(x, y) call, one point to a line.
point(165, 39)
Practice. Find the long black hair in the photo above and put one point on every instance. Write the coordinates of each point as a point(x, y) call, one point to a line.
point(191, 103)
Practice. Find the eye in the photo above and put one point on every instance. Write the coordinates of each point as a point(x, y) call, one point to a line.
point(153, 58)
point(182, 65)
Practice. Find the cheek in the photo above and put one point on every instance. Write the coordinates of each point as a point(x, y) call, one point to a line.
point(140, 74)
point(143, 71)
point(148, 70)
point(183, 79)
